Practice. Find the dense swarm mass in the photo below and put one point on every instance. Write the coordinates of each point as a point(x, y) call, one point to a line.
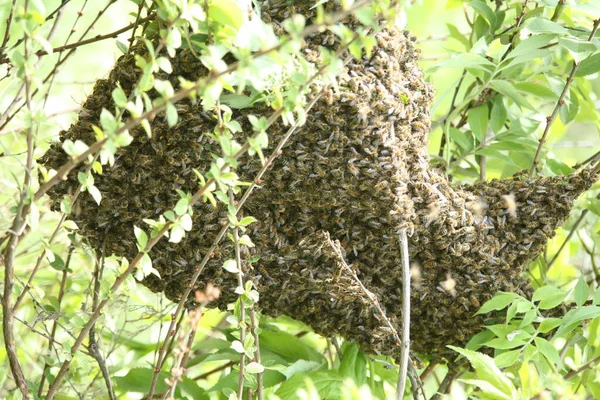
point(359, 170)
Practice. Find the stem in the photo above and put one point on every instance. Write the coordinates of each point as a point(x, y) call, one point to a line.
point(405, 346)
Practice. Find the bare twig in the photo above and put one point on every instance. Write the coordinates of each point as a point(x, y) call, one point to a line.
point(8, 23)
point(405, 345)
point(93, 343)
point(585, 366)
point(61, 293)
point(568, 238)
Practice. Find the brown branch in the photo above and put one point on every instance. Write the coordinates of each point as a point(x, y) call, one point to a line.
point(568, 238)
point(84, 42)
point(8, 23)
point(92, 342)
point(18, 225)
point(215, 370)
point(585, 366)
point(550, 119)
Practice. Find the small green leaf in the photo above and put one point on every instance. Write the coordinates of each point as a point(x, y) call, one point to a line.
point(226, 12)
point(487, 371)
point(478, 119)
point(589, 66)
point(581, 291)
point(548, 324)
point(138, 380)
point(548, 351)
point(549, 297)
point(498, 302)
point(142, 238)
point(544, 25)
point(507, 358)
point(231, 266)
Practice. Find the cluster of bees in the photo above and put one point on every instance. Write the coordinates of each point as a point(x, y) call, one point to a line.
point(359, 170)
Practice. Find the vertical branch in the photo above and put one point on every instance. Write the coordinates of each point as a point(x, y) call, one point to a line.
point(51, 340)
point(240, 279)
point(405, 344)
point(259, 377)
point(17, 228)
point(93, 343)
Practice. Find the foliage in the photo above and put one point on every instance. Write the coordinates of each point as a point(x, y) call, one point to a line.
point(77, 325)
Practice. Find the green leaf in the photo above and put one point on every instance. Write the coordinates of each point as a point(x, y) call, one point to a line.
point(58, 263)
point(487, 371)
point(498, 114)
point(172, 115)
point(463, 139)
point(328, 385)
point(544, 25)
point(485, 11)
point(456, 34)
point(138, 380)
point(574, 317)
point(507, 358)
point(142, 238)
point(581, 291)
point(589, 66)
point(478, 119)
point(548, 324)
point(226, 12)
point(190, 387)
point(288, 346)
point(465, 60)
point(119, 97)
point(498, 302)
point(353, 364)
point(548, 351)
point(549, 296)
point(508, 89)
point(536, 89)
point(93, 190)
point(231, 266)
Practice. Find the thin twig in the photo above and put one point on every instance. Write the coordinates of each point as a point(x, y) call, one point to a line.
point(254, 330)
point(585, 366)
point(242, 321)
point(93, 343)
point(51, 340)
point(568, 238)
point(550, 119)
point(405, 346)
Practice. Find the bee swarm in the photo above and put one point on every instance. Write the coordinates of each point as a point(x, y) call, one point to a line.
point(359, 170)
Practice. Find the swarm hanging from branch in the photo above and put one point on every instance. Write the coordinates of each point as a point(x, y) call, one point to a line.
point(359, 170)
